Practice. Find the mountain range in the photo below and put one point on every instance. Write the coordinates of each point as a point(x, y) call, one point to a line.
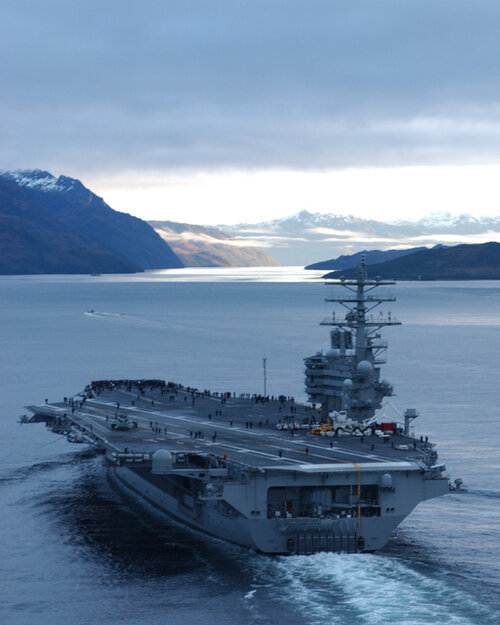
point(57, 225)
point(305, 238)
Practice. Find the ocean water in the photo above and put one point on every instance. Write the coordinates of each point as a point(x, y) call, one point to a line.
point(72, 550)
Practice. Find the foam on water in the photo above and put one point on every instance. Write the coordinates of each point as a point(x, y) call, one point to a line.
point(369, 589)
point(95, 313)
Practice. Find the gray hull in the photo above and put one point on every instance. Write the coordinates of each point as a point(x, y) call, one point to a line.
point(229, 515)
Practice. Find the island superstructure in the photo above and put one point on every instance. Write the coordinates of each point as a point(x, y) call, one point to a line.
point(269, 473)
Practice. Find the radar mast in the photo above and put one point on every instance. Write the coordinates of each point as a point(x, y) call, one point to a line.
point(347, 376)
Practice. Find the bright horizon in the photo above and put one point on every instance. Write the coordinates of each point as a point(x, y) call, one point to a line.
point(230, 197)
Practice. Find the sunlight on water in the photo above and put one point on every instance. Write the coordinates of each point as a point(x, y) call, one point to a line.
point(189, 274)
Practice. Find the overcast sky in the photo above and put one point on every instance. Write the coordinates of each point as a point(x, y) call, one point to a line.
point(224, 111)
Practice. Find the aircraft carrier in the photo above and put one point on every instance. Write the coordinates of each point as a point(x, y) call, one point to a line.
point(269, 473)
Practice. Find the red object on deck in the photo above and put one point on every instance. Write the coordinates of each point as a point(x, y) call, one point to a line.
point(387, 427)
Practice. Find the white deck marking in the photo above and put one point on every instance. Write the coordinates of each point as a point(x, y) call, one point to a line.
point(176, 421)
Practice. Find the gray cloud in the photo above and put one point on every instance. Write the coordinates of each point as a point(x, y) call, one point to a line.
point(318, 83)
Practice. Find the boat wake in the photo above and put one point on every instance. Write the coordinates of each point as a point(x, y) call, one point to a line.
point(374, 589)
point(128, 319)
point(94, 313)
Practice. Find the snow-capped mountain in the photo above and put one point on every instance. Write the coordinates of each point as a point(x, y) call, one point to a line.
point(439, 221)
point(62, 220)
point(306, 219)
point(39, 180)
point(304, 238)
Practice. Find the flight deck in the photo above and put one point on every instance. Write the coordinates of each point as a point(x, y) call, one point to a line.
point(251, 430)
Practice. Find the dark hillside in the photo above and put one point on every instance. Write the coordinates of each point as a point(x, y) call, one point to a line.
point(461, 262)
point(32, 242)
point(371, 256)
point(70, 202)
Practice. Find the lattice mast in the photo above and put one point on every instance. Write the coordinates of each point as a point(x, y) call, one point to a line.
point(347, 376)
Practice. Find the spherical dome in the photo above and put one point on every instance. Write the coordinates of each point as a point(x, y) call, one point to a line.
point(161, 462)
point(364, 367)
point(348, 382)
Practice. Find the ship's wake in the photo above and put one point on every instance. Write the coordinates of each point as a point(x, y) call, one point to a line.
point(96, 313)
point(374, 589)
point(126, 318)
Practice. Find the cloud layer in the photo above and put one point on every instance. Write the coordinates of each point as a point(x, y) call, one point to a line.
point(171, 84)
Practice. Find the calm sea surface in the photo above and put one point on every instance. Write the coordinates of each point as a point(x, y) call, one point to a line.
point(74, 551)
